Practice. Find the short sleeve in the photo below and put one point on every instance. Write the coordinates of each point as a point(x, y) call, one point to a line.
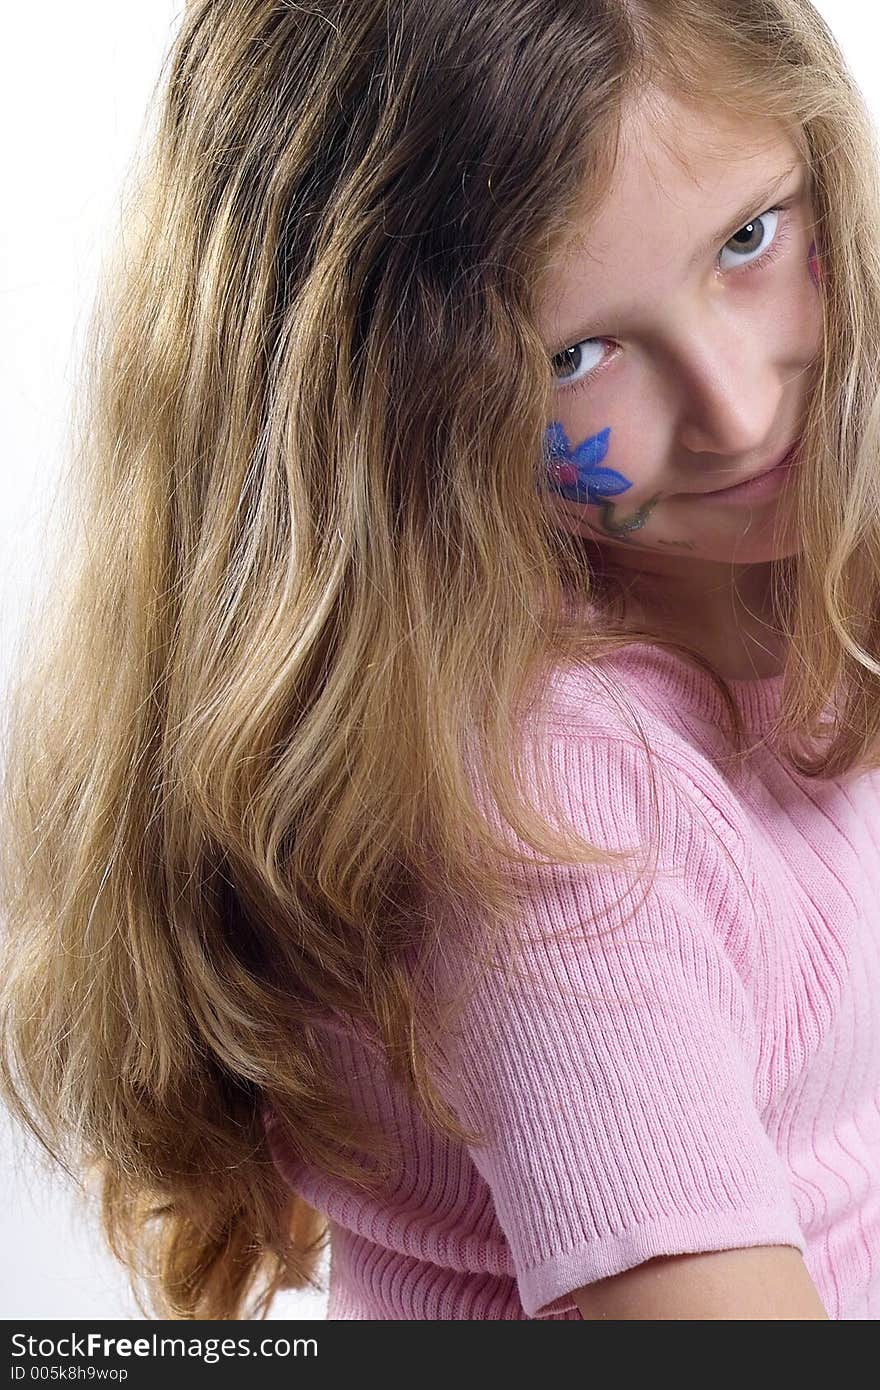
point(613, 1072)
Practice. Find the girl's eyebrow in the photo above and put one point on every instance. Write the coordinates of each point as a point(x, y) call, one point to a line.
point(762, 199)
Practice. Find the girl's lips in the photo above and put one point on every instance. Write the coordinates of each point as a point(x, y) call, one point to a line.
point(766, 484)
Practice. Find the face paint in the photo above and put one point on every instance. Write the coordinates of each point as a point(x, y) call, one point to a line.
point(577, 475)
point(813, 262)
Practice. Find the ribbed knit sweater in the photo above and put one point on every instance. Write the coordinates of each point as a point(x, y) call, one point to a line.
point(703, 1077)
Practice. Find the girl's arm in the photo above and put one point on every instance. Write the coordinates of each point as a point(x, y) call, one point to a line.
point(761, 1282)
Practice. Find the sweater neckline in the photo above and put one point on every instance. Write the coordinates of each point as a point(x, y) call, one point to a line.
point(758, 697)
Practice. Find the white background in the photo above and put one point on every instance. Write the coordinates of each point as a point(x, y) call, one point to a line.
point(76, 79)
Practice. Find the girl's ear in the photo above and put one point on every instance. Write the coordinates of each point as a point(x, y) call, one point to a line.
point(813, 261)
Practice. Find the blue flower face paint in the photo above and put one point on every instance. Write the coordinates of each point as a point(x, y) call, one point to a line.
point(576, 473)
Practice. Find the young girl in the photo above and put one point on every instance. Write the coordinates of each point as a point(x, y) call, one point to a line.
point(441, 794)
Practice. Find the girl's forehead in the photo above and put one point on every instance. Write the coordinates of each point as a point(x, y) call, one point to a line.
point(673, 156)
point(681, 179)
point(676, 157)
point(694, 131)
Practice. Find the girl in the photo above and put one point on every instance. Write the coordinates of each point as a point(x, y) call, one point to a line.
point(442, 797)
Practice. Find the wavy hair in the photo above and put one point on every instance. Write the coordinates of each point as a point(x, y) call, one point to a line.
point(306, 569)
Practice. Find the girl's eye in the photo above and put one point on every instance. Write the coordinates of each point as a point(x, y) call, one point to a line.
point(755, 245)
point(584, 359)
point(754, 239)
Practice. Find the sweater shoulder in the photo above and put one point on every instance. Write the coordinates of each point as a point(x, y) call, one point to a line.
point(639, 705)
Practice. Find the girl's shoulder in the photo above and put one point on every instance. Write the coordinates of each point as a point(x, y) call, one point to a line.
point(641, 718)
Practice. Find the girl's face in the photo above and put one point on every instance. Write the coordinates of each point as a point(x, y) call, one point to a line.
point(681, 323)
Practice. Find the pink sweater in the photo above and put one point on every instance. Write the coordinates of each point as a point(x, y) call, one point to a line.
point(705, 1078)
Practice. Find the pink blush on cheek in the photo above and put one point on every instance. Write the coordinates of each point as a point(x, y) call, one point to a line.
point(813, 262)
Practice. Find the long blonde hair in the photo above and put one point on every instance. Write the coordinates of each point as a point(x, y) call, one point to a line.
point(306, 566)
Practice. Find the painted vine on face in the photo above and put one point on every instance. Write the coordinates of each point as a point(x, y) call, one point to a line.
point(577, 475)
